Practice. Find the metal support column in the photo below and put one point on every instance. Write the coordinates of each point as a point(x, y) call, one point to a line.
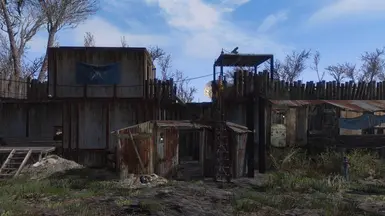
point(222, 166)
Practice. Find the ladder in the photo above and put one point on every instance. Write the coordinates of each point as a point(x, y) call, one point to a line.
point(14, 163)
point(221, 141)
point(223, 166)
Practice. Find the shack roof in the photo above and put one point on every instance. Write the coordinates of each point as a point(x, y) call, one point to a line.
point(352, 105)
point(187, 124)
point(190, 124)
point(180, 124)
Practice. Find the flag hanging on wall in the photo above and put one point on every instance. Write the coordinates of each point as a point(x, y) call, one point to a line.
point(87, 74)
point(364, 121)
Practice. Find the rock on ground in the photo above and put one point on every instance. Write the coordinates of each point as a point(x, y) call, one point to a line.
point(49, 165)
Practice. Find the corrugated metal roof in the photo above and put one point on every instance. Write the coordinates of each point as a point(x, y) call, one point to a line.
point(181, 124)
point(237, 128)
point(290, 103)
point(354, 105)
point(359, 105)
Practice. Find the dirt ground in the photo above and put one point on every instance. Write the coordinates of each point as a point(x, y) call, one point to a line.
point(56, 186)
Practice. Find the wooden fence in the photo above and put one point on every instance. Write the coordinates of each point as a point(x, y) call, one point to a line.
point(11, 88)
point(33, 90)
point(246, 84)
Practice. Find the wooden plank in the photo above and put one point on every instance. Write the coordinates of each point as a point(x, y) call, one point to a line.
point(7, 160)
point(136, 151)
point(4, 149)
point(23, 163)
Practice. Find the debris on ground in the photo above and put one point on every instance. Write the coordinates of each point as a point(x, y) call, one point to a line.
point(141, 181)
point(49, 165)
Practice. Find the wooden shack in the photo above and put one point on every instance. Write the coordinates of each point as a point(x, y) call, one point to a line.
point(103, 89)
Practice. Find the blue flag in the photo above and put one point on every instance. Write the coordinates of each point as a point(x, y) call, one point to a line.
point(87, 74)
point(362, 122)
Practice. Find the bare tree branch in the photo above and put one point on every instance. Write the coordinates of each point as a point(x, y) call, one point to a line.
point(230, 75)
point(338, 72)
point(164, 61)
point(373, 65)
point(315, 66)
point(184, 91)
point(20, 21)
point(123, 41)
point(62, 14)
point(351, 72)
point(164, 64)
point(32, 69)
point(294, 65)
point(89, 40)
point(156, 52)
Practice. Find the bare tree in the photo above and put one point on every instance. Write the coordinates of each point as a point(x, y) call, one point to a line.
point(338, 72)
point(315, 66)
point(6, 68)
point(156, 52)
point(32, 68)
point(165, 65)
point(277, 69)
point(20, 21)
point(89, 40)
point(62, 14)
point(123, 41)
point(373, 65)
point(230, 74)
point(184, 91)
point(294, 65)
point(351, 72)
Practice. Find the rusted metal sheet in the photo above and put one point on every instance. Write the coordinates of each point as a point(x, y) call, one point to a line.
point(290, 103)
point(185, 124)
point(168, 149)
point(129, 159)
point(359, 105)
point(237, 128)
point(180, 124)
point(354, 105)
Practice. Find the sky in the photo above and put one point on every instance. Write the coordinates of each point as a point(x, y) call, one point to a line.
point(194, 32)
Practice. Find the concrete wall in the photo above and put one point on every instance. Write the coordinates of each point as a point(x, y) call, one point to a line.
point(136, 67)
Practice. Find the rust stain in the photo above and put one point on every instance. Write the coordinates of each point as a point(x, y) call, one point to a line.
point(170, 151)
point(354, 105)
point(129, 158)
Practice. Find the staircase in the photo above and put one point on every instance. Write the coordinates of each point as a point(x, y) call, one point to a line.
point(14, 163)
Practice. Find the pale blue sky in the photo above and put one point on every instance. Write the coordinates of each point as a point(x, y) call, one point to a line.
point(195, 31)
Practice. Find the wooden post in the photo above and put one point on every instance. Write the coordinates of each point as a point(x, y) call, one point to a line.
point(250, 138)
point(136, 151)
point(262, 135)
point(268, 125)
